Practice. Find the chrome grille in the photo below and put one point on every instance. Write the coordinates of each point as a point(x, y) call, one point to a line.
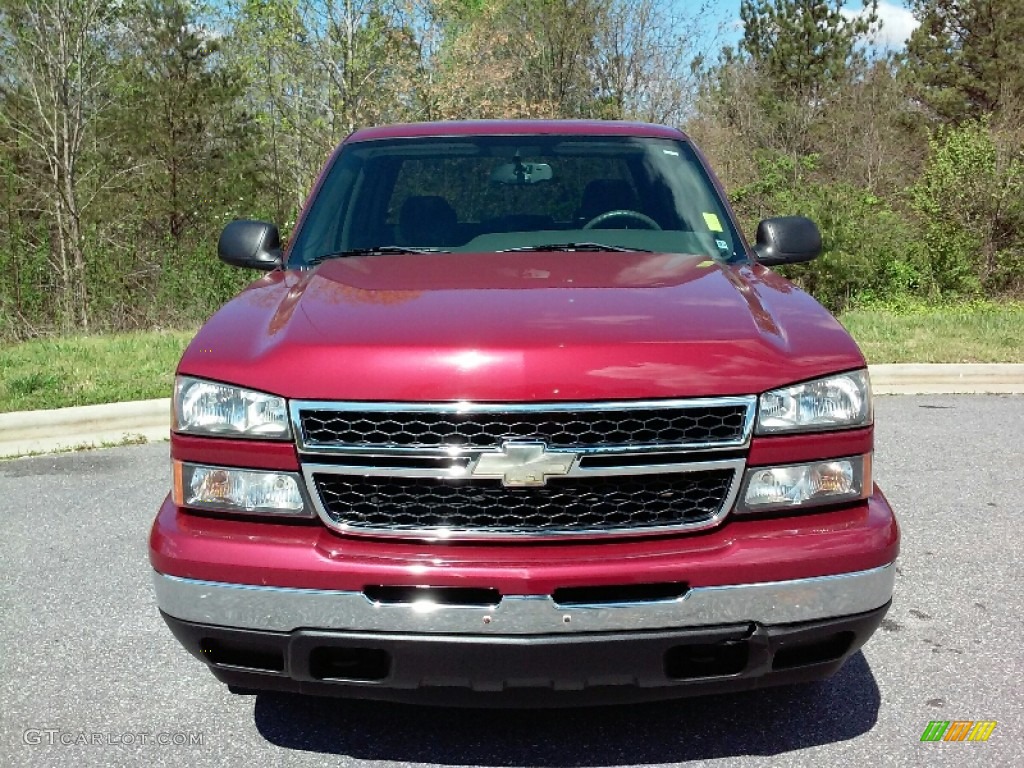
point(607, 504)
point(492, 471)
point(679, 424)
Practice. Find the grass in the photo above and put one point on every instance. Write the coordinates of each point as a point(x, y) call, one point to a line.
point(82, 370)
point(986, 332)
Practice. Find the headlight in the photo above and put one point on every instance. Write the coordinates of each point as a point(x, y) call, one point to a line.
point(207, 408)
point(248, 491)
point(820, 482)
point(835, 402)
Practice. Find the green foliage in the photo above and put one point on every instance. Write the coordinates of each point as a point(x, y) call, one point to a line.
point(176, 116)
point(801, 71)
point(803, 46)
point(958, 233)
point(832, 136)
point(869, 249)
point(182, 112)
point(167, 157)
point(966, 59)
point(971, 202)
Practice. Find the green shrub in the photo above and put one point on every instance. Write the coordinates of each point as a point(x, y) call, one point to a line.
point(870, 250)
point(970, 200)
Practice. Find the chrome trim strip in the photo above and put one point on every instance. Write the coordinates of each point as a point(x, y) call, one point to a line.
point(467, 406)
point(465, 472)
point(749, 402)
point(282, 609)
point(453, 451)
point(436, 534)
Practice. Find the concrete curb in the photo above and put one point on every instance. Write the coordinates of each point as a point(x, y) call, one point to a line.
point(83, 426)
point(948, 379)
point(96, 425)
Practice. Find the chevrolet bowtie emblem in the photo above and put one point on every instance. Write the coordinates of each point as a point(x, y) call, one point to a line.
point(523, 464)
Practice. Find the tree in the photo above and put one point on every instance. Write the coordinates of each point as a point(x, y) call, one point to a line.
point(517, 58)
point(317, 70)
point(627, 59)
point(130, 130)
point(54, 55)
point(971, 200)
point(803, 47)
point(966, 59)
point(643, 55)
point(796, 57)
point(871, 135)
point(183, 114)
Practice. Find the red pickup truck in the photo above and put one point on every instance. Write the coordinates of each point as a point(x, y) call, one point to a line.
point(517, 417)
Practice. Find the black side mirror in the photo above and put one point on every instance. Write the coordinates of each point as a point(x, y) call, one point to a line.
point(253, 244)
point(787, 240)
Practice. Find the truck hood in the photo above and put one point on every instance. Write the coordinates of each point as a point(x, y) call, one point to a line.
point(520, 326)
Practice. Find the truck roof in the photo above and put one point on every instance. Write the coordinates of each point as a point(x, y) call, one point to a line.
point(516, 128)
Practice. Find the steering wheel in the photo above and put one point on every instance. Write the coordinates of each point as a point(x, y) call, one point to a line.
point(624, 214)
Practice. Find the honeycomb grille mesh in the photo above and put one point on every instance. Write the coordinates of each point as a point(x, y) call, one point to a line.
point(603, 503)
point(703, 425)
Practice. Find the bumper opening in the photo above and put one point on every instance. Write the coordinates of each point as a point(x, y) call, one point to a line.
point(241, 654)
point(816, 652)
point(402, 595)
point(349, 664)
point(688, 662)
point(619, 593)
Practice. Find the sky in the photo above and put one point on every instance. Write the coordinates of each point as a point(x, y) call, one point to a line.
point(897, 21)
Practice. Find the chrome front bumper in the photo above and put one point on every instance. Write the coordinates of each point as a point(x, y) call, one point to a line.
point(280, 609)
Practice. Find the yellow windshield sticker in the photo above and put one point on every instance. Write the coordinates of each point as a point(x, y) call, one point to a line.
point(706, 264)
point(713, 223)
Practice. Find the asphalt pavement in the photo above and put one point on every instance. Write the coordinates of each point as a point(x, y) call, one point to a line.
point(89, 674)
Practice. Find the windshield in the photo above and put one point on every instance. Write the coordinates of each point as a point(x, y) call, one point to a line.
point(498, 193)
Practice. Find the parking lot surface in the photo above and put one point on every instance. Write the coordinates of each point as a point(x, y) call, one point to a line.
point(89, 674)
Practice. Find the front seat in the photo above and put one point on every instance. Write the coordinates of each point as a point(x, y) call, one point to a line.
point(426, 220)
point(603, 195)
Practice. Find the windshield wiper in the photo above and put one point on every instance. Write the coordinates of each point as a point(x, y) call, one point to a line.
point(377, 250)
point(571, 247)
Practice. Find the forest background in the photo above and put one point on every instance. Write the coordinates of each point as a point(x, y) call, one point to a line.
point(131, 131)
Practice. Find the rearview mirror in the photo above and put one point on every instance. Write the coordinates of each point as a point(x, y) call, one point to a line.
point(787, 240)
point(253, 244)
point(522, 173)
